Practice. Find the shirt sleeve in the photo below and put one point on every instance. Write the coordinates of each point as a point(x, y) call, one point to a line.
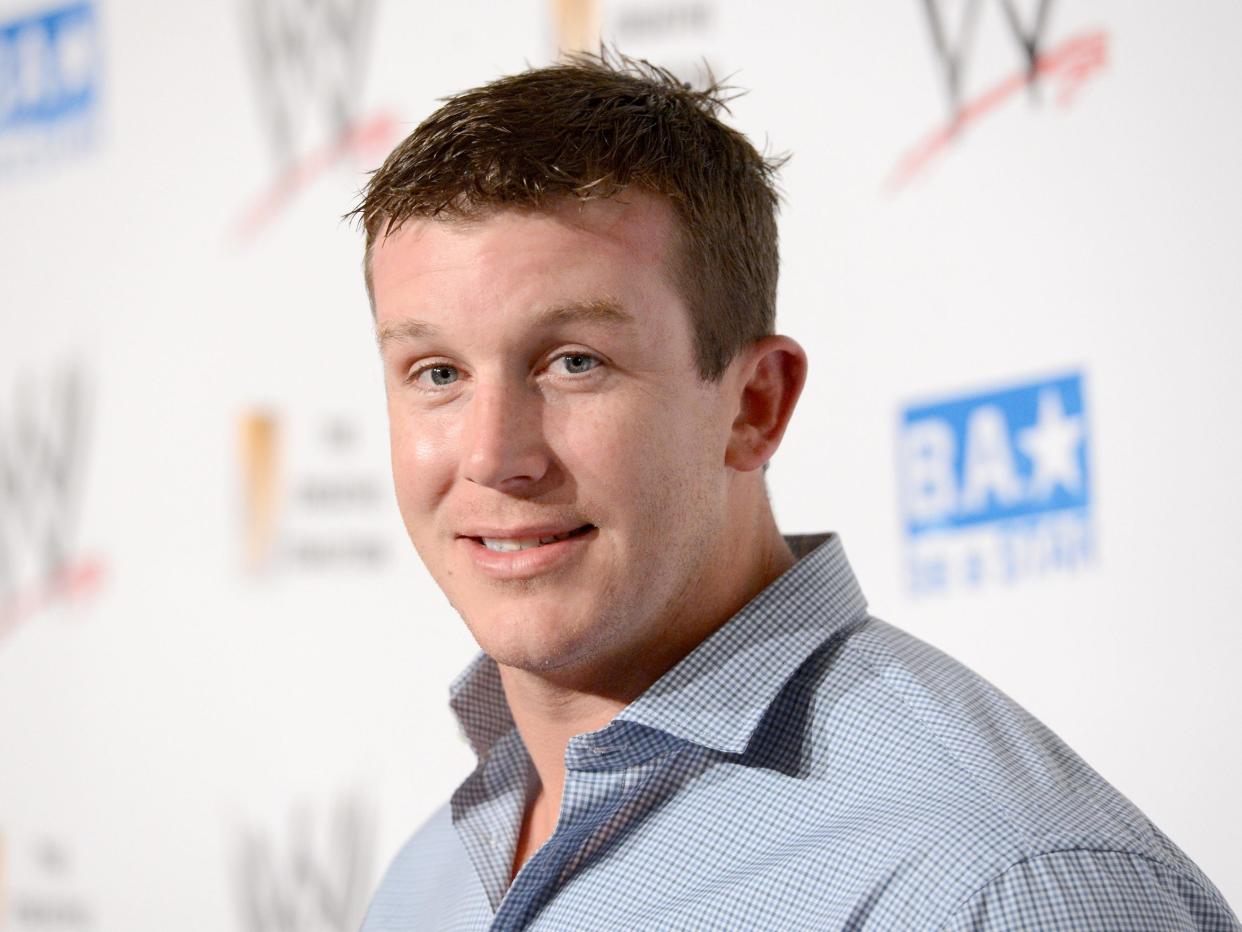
point(1098, 890)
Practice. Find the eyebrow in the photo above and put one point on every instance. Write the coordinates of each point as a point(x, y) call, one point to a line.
point(604, 311)
point(599, 311)
point(404, 331)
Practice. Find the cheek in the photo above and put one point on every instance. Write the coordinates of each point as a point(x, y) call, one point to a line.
point(600, 441)
point(423, 457)
point(634, 455)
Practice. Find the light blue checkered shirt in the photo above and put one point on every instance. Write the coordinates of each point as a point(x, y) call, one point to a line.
point(805, 767)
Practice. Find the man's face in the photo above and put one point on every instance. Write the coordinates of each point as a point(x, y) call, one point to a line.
point(558, 462)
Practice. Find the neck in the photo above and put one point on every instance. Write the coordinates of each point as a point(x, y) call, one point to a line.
point(550, 710)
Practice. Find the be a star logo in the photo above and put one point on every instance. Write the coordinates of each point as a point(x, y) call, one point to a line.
point(995, 484)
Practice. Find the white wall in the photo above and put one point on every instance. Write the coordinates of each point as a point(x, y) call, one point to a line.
point(244, 659)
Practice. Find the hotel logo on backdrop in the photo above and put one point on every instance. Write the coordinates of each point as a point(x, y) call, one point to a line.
point(49, 84)
point(577, 25)
point(995, 485)
point(680, 35)
point(39, 889)
point(967, 37)
point(43, 447)
point(309, 60)
point(311, 497)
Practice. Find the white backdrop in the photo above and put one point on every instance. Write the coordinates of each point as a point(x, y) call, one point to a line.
point(223, 670)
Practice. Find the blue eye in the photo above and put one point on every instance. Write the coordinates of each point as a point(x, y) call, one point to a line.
point(577, 363)
point(439, 376)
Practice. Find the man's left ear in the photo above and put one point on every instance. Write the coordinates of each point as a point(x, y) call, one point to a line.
point(770, 377)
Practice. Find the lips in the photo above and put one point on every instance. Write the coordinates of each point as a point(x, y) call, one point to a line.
point(510, 544)
point(525, 538)
point(515, 553)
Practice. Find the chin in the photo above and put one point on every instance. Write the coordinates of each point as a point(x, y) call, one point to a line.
point(535, 641)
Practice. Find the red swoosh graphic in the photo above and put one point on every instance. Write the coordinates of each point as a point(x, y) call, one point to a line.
point(368, 138)
point(74, 581)
point(1069, 64)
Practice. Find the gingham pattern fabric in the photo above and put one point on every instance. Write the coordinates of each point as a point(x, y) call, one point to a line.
point(805, 767)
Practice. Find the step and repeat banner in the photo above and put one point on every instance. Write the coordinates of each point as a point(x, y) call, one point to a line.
point(1010, 246)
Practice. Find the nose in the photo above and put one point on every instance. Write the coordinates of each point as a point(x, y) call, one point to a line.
point(504, 447)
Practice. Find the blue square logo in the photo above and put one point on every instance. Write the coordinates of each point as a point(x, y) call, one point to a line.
point(49, 82)
point(996, 485)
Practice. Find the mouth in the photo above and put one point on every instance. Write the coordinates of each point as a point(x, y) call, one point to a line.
point(514, 544)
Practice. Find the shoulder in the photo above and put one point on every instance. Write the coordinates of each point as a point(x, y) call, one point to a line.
point(1093, 889)
point(430, 871)
point(992, 813)
point(979, 744)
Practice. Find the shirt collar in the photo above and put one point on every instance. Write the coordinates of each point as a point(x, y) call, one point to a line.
point(477, 698)
point(718, 693)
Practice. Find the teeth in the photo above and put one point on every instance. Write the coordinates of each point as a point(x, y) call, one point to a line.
point(503, 545)
point(508, 545)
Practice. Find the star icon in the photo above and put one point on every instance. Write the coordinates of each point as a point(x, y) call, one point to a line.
point(1052, 444)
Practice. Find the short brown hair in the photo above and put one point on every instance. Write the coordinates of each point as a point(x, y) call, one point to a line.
point(588, 128)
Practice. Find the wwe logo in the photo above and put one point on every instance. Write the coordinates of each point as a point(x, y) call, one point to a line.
point(316, 888)
point(308, 56)
point(1065, 67)
point(954, 51)
point(42, 451)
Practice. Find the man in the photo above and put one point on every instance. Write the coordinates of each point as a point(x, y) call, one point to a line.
point(682, 720)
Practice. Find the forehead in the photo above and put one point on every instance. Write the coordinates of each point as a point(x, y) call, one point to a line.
point(619, 244)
